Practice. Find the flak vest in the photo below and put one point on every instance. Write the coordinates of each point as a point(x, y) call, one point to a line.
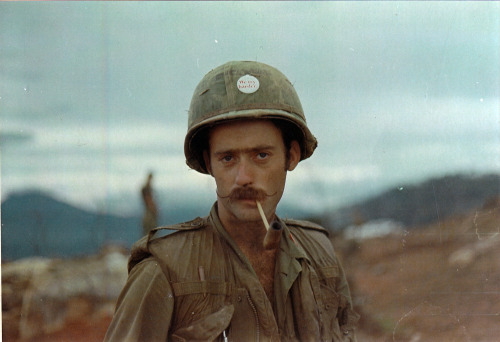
point(195, 284)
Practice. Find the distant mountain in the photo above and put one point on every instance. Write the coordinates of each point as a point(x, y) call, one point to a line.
point(424, 203)
point(34, 223)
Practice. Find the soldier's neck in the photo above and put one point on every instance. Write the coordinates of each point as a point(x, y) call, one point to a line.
point(250, 240)
point(248, 235)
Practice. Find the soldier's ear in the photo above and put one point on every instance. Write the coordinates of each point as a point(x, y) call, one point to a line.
point(206, 158)
point(294, 155)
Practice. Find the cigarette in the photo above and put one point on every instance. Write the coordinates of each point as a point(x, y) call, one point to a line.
point(262, 215)
point(273, 235)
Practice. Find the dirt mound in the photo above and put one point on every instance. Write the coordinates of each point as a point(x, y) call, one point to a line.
point(42, 297)
point(438, 283)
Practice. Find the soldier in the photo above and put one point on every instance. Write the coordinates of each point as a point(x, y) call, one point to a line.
point(150, 217)
point(214, 278)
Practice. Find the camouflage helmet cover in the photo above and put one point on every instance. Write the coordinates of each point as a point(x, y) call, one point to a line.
point(243, 90)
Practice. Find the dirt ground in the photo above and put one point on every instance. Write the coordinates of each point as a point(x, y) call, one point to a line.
point(439, 283)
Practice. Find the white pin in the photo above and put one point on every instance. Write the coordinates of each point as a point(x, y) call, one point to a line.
point(248, 84)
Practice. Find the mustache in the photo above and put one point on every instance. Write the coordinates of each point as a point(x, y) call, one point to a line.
point(246, 193)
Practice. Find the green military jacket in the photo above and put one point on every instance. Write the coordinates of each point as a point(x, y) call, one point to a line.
point(196, 285)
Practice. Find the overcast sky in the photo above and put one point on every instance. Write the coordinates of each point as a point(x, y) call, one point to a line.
point(95, 94)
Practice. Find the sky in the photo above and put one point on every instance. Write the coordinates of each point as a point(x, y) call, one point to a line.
point(94, 95)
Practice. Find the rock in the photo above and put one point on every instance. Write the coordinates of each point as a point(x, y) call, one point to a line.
point(465, 256)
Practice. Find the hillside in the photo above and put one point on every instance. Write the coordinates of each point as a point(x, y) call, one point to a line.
point(35, 224)
point(437, 283)
point(421, 204)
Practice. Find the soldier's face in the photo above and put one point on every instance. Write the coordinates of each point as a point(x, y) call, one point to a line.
point(248, 161)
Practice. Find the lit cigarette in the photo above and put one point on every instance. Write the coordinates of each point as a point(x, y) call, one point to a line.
point(262, 215)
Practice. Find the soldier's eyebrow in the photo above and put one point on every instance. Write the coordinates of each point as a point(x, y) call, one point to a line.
point(258, 148)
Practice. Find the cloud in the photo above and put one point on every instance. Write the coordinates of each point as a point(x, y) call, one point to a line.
point(392, 90)
point(14, 138)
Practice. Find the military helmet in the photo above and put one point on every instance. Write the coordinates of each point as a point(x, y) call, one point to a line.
point(242, 90)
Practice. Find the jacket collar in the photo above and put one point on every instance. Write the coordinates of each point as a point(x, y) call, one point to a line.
point(288, 244)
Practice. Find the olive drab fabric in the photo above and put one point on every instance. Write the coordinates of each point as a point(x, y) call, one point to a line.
point(243, 90)
point(196, 285)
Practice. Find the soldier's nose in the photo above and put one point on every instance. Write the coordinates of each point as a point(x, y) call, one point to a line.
point(244, 174)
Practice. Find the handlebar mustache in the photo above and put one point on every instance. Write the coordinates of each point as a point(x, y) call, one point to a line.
point(246, 193)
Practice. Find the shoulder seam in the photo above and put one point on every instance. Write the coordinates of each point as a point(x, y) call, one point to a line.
point(305, 225)
point(195, 224)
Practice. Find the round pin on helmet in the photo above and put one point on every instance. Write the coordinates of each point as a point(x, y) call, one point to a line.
point(243, 90)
